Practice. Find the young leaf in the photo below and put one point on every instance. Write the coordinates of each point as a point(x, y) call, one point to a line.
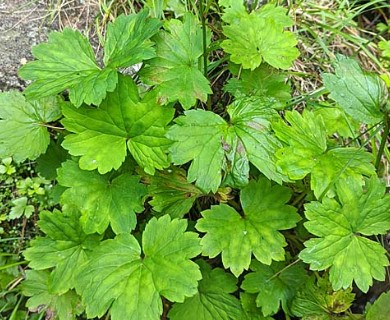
point(171, 192)
point(23, 134)
point(258, 36)
point(65, 247)
point(237, 236)
point(102, 200)
point(37, 287)
point(341, 227)
point(205, 138)
point(360, 94)
point(128, 40)
point(264, 83)
point(306, 152)
point(116, 278)
point(101, 135)
point(58, 68)
point(176, 68)
point(213, 300)
point(20, 208)
point(276, 285)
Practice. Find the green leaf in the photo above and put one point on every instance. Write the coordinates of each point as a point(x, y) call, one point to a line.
point(380, 310)
point(276, 285)
point(213, 300)
point(255, 231)
point(101, 134)
point(264, 83)
point(198, 136)
point(23, 134)
point(65, 247)
point(128, 40)
point(384, 45)
point(307, 152)
point(117, 278)
point(58, 68)
point(319, 301)
point(51, 160)
point(251, 311)
point(205, 138)
point(102, 199)
point(259, 35)
point(171, 192)
point(360, 94)
point(37, 287)
point(175, 70)
point(21, 208)
point(341, 227)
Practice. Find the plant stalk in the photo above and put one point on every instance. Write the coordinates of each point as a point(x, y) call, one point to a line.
point(382, 146)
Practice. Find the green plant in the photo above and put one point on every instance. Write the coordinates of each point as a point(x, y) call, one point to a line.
point(162, 188)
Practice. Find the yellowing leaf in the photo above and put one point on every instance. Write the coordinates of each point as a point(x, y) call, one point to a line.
point(255, 231)
point(103, 135)
point(341, 227)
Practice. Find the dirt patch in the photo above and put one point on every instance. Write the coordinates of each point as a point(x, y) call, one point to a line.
point(25, 23)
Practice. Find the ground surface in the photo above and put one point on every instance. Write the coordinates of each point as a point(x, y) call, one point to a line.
point(25, 23)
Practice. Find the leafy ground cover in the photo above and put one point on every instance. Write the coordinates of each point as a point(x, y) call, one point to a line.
point(239, 170)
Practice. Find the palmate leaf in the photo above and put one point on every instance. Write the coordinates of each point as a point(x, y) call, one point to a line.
point(65, 248)
point(117, 279)
point(102, 199)
point(171, 192)
point(58, 68)
point(306, 152)
point(213, 300)
point(206, 139)
point(256, 231)
point(360, 94)
point(341, 227)
point(101, 134)
point(37, 286)
point(175, 70)
point(259, 35)
point(264, 83)
point(23, 134)
point(380, 310)
point(275, 285)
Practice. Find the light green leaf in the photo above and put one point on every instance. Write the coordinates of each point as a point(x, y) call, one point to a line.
point(258, 36)
point(276, 285)
point(211, 143)
point(251, 311)
point(171, 192)
point(58, 68)
point(101, 134)
point(175, 70)
point(341, 227)
point(128, 40)
point(198, 137)
point(255, 231)
point(384, 45)
point(213, 300)
point(264, 83)
point(37, 287)
point(21, 208)
point(23, 134)
point(102, 199)
point(360, 94)
point(380, 310)
point(307, 152)
point(117, 279)
point(65, 248)
point(319, 301)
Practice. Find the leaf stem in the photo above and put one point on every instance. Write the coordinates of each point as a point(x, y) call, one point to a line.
point(385, 134)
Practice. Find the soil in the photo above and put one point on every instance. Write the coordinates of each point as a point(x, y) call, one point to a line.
point(25, 23)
